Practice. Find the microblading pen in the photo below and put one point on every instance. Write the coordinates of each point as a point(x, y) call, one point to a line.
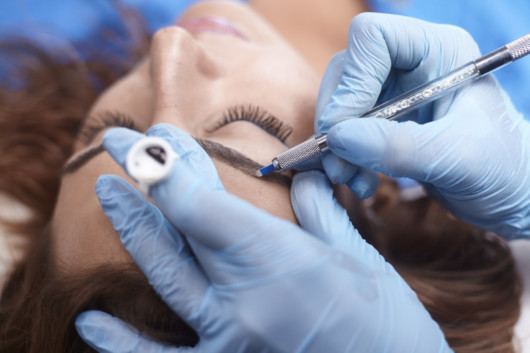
point(309, 151)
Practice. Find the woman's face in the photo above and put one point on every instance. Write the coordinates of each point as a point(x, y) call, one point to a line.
point(202, 76)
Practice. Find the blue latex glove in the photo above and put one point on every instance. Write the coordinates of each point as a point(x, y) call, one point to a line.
point(470, 148)
point(258, 283)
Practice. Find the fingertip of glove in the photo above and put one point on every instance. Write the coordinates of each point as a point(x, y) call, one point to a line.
point(111, 187)
point(305, 190)
point(92, 324)
point(180, 140)
point(305, 181)
point(101, 331)
point(334, 139)
point(362, 191)
point(118, 141)
point(306, 184)
point(89, 318)
point(301, 178)
point(338, 170)
point(322, 124)
point(337, 58)
point(119, 134)
point(112, 134)
point(183, 144)
point(364, 184)
point(164, 130)
point(103, 187)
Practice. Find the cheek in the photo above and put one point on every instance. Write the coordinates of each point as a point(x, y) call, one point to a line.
point(270, 197)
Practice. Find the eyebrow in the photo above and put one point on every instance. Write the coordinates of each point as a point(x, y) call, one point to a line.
point(81, 159)
point(215, 150)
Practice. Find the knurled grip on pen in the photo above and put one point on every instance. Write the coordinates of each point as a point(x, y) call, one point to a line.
point(301, 155)
point(519, 47)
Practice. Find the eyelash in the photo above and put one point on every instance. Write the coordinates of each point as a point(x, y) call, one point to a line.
point(252, 114)
point(104, 120)
point(257, 116)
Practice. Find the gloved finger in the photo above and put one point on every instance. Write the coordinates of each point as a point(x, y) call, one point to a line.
point(329, 84)
point(189, 150)
point(118, 142)
point(318, 211)
point(226, 232)
point(320, 214)
point(364, 183)
point(379, 42)
point(337, 169)
point(396, 149)
point(156, 246)
point(108, 334)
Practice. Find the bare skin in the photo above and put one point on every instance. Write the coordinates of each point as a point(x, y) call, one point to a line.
point(316, 29)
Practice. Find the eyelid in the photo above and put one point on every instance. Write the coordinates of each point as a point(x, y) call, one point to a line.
point(257, 116)
point(104, 120)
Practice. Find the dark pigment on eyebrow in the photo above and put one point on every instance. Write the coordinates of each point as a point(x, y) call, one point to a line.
point(239, 161)
point(213, 149)
point(81, 159)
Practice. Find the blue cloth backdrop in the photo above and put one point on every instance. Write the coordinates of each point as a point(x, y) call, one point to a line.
point(492, 23)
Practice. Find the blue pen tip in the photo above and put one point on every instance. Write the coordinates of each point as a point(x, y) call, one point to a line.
point(265, 170)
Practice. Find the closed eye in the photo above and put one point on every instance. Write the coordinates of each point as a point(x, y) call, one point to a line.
point(257, 116)
point(103, 121)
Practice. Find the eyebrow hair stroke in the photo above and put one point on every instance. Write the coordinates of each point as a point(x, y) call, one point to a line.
point(239, 161)
point(215, 150)
point(81, 159)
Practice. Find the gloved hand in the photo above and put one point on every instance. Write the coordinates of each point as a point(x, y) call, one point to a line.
point(257, 283)
point(470, 148)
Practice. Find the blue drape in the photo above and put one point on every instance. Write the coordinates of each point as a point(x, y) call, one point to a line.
point(492, 23)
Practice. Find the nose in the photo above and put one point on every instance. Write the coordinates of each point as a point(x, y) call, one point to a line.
point(183, 72)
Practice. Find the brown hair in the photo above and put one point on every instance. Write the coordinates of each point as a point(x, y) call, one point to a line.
point(465, 277)
point(45, 95)
point(40, 303)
